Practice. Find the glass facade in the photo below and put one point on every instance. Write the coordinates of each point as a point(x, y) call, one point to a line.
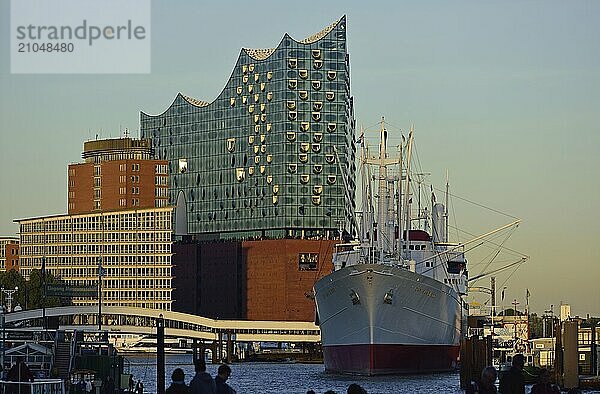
point(274, 155)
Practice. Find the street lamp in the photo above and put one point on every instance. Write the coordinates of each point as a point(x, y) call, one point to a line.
point(9, 293)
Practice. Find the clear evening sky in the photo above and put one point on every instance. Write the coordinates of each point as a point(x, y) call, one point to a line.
point(503, 95)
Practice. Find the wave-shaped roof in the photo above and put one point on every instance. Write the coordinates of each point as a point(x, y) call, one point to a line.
point(262, 54)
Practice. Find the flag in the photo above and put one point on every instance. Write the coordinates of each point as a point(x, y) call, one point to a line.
point(503, 294)
point(432, 195)
point(361, 137)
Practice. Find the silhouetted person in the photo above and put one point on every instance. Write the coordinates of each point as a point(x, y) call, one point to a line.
point(109, 386)
point(543, 385)
point(202, 382)
point(139, 387)
point(178, 383)
point(355, 389)
point(487, 383)
point(223, 374)
point(512, 382)
point(19, 372)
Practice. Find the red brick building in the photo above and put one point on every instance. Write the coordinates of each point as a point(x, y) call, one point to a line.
point(9, 253)
point(254, 280)
point(280, 277)
point(117, 174)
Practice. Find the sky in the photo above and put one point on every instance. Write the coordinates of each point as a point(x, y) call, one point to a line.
point(504, 97)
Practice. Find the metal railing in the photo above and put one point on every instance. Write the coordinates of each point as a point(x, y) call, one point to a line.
point(40, 386)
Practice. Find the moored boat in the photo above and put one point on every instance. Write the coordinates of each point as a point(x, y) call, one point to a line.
point(394, 301)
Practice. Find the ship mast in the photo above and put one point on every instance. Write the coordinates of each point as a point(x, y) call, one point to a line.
point(399, 207)
point(407, 193)
point(382, 204)
point(447, 236)
point(386, 224)
point(367, 217)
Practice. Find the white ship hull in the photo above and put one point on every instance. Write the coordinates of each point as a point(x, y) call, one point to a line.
point(384, 319)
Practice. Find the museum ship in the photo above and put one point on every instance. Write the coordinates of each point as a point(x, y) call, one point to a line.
point(394, 303)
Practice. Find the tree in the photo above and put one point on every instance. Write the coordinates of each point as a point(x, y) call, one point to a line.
point(13, 279)
point(35, 291)
point(30, 293)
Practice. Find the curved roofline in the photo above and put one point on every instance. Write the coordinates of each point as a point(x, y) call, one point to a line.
point(308, 40)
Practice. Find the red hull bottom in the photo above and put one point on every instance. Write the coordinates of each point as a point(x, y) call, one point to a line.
point(390, 359)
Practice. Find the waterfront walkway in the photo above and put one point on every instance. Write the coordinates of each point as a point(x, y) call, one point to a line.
point(127, 320)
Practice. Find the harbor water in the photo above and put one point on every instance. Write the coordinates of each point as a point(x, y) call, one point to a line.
point(291, 377)
point(271, 378)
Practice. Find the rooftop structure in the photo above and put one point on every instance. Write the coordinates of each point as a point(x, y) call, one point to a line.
point(117, 174)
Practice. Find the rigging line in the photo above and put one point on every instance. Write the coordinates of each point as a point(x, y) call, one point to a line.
point(495, 255)
point(477, 204)
point(393, 126)
point(493, 246)
point(373, 127)
point(506, 248)
point(516, 263)
point(453, 217)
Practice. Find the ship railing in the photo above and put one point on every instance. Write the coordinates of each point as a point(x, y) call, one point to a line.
point(39, 386)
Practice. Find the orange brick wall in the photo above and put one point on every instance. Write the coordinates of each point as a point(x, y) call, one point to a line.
point(81, 184)
point(12, 256)
point(276, 288)
point(80, 188)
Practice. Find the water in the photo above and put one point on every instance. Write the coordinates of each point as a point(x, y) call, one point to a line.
point(292, 378)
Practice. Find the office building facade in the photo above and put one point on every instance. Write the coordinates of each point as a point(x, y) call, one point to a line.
point(133, 247)
point(273, 156)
